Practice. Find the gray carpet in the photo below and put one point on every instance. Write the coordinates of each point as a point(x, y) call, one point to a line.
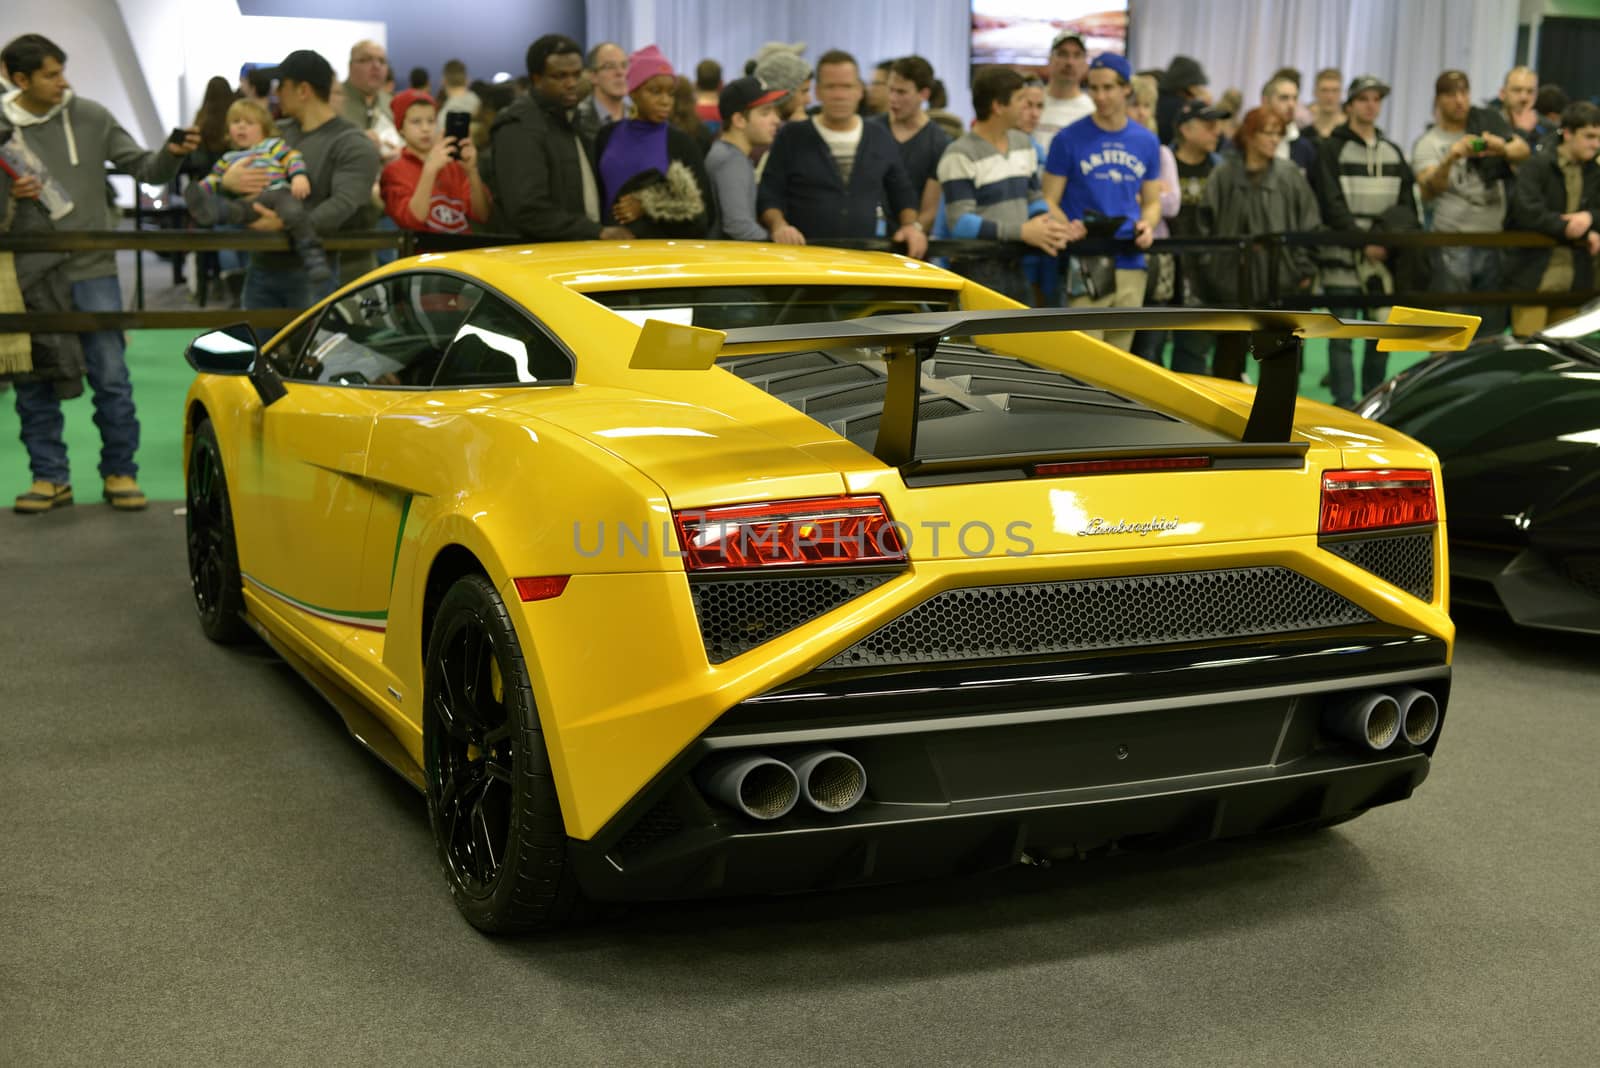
point(197, 866)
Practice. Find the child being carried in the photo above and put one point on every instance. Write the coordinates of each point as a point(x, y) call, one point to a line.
point(256, 141)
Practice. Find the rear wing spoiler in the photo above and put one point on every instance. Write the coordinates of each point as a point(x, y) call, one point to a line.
point(909, 339)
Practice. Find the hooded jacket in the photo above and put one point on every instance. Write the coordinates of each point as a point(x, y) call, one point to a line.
point(75, 140)
point(1356, 183)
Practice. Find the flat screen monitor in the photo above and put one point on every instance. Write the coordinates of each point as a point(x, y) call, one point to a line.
point(1018, 33)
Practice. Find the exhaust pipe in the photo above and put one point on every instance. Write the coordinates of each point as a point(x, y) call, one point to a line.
point(1419, 714)
point(759, 786)
point(1371, 718)
point(830, 781)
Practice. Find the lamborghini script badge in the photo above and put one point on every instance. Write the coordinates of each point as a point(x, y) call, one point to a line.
point(1122, 526)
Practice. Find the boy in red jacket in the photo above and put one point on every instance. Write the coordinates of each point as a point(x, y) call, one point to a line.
point(427, 188)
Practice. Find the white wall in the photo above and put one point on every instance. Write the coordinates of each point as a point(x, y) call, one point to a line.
point(148, 61)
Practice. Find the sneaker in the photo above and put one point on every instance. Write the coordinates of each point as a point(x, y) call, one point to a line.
point(44, 496)
point(123, 492)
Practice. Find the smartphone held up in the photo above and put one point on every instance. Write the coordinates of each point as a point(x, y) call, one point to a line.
point(457, 124)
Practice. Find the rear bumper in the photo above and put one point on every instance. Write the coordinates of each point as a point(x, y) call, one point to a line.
point(967, 774)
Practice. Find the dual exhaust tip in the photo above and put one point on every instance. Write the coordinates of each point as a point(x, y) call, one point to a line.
point(1377, 718)
point(765, 788)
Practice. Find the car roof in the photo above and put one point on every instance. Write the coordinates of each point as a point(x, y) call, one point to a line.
point(595, 266)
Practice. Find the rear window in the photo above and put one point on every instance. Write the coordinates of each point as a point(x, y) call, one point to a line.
point(732, 307)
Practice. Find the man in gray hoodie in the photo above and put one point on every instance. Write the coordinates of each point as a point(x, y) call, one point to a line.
point(74, 138)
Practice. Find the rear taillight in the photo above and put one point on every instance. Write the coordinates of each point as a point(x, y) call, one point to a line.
point(1369, 500)
point(827, 531)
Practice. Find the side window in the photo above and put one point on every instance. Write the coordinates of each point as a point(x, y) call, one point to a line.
point(500, 346)
point(391, 333)
point(286, 352)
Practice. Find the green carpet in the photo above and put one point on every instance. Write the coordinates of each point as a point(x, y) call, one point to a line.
point(161, 377)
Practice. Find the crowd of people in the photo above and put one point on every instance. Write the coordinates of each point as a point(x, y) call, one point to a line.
point(610, 145)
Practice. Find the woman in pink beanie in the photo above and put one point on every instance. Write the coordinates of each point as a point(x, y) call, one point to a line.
point(652, 175)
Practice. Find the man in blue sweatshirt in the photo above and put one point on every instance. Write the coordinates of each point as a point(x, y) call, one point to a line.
point(74, 139)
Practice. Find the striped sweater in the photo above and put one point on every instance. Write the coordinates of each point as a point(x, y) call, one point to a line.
point(270, 154)
point(988, 195)
point(1355, 183)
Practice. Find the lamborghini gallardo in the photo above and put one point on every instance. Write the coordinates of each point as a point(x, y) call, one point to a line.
point(677, 569)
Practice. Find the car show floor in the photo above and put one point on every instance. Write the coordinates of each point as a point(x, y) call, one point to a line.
point(200, 866)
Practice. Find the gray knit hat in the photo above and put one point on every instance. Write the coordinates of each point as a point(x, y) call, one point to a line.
point(783, 70)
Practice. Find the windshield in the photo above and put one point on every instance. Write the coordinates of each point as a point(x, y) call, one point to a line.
point(731, 307)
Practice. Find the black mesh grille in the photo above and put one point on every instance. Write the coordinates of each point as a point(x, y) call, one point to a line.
point(736, 615)
point(1404, 560)
point(661, 821)
point(1112, 613)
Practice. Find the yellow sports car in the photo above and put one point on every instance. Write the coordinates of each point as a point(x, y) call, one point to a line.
point(673, 569)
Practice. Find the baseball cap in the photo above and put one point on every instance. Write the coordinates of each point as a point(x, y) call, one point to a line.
point(1361, 83)
point(1199, 109)
point(742, 94)
point(306, 66)
point(1113, 62)
point(1450, 81)
point(1067, 35)
point(402, 103)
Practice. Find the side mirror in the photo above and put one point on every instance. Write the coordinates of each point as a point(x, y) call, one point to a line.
point(234, 350)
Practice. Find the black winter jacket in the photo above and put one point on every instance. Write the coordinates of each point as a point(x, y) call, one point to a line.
point(1538, 200)
point(535, 175)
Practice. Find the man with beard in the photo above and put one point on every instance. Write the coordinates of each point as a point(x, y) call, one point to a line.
point(1065, 102)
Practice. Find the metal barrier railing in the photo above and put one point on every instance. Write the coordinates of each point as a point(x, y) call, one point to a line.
point(408, 243)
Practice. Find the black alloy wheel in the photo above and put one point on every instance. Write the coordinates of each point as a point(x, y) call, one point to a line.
point(491, 799)
point(213, 553)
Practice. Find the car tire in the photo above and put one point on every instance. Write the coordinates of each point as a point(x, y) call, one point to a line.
point(213, 552)
point(491, 797)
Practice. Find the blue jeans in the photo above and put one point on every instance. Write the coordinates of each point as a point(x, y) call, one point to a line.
point(1465, 270)
point(1341, 355)
point(284, 289)
point(39, 409)
point(385, 255)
